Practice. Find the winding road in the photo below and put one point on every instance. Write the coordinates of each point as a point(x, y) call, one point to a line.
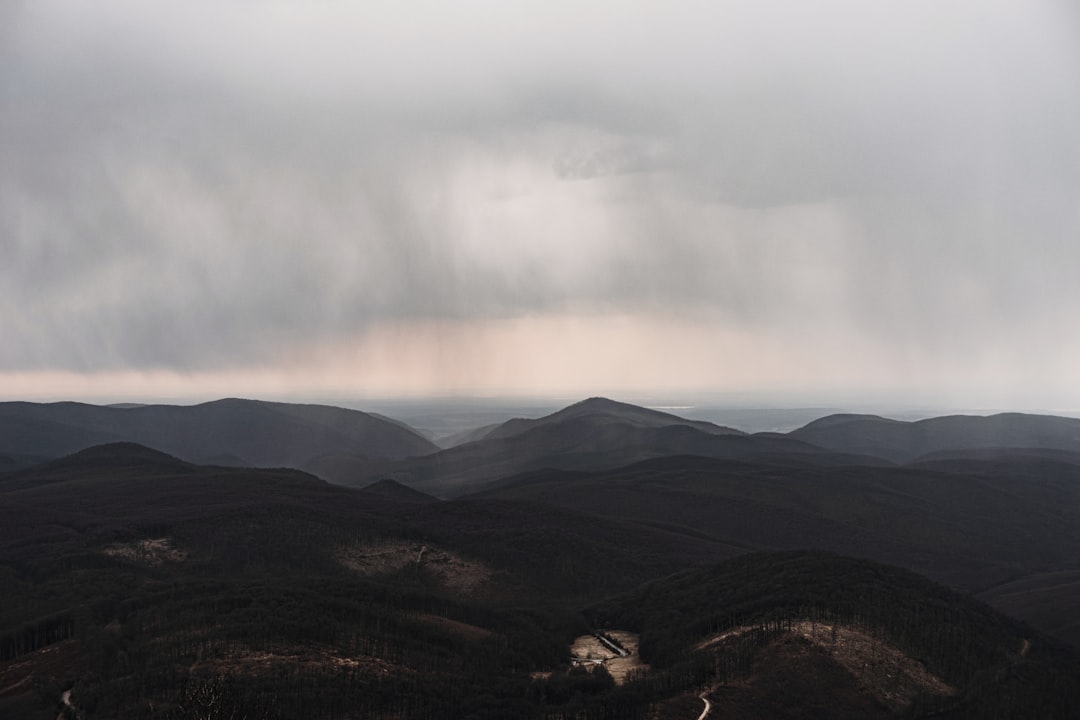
point(65, 699)
point(708, 706)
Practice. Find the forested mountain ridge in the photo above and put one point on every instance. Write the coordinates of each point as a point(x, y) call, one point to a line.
point(902, 441)
point(585, 436)
point(356, 448)
point(231, 431)
point(147, 583)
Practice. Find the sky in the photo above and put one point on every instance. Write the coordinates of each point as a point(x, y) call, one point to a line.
point(825, 201)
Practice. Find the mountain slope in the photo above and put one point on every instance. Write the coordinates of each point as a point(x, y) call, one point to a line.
point(257, 433)
point(971, 524)
point(744, 628)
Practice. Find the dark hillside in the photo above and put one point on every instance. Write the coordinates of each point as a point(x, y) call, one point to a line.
point(397, 491)
point(149, 586)
point(553, 553)
point(270, 590)
point(1046, 600)
point(722, 625)
point(173, 577)
point(22, 432)
point(970, 524)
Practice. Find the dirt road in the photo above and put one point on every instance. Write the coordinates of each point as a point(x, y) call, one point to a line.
point(708, 706)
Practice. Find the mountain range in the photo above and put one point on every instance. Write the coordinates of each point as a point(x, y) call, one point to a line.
point(161, 559)
point(907, 441)
point(356, 448)
point(593, 434)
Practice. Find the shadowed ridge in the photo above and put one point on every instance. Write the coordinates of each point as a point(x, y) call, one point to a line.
point(120, 454)
point(838, 419)
point(468, 436)
point(396, 491)
point(999, 455)
point(100, 462)
point(394, 438)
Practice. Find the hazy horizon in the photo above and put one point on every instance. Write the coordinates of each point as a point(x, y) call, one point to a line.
point(443, 416)
point(777, 204)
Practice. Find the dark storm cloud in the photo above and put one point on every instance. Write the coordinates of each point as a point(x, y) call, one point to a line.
point(213, 185)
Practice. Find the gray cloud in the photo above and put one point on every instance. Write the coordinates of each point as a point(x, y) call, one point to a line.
point(201, 186)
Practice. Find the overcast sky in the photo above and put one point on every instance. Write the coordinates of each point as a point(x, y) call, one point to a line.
point(826, 199)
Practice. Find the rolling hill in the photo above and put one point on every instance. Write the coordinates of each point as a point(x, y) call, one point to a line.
point(618, 413)
point(148, 586)
point(164, 576)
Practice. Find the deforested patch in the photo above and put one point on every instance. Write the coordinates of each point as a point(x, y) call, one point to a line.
point(262, 662)
point(151, 552)
point(453, 571)
point(616, 650)
point(887, 673)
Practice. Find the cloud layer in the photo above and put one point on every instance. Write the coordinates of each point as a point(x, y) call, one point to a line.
point(220, 187)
